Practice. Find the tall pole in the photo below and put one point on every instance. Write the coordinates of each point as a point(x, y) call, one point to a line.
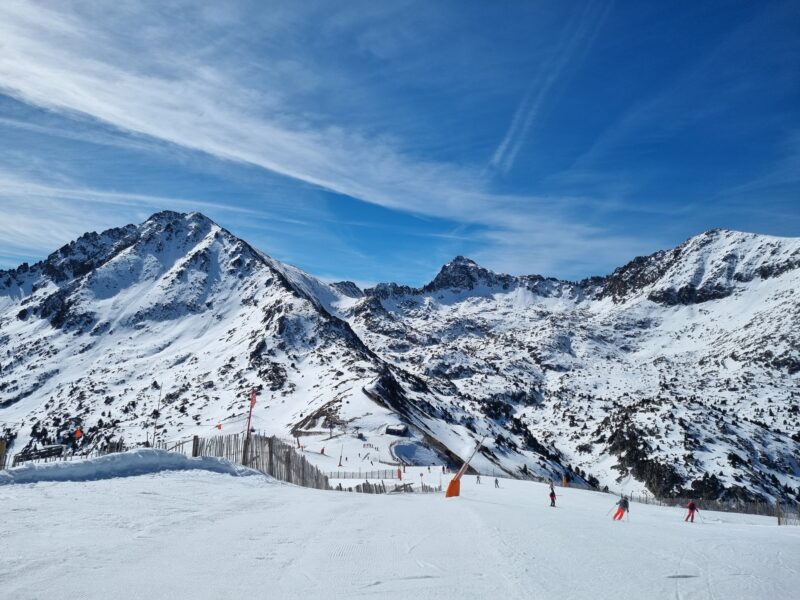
point(246, 447)
point(158, 412)
point(454, 487)
point(252, 404)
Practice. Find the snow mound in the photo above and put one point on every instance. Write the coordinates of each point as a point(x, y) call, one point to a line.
point(125, 464)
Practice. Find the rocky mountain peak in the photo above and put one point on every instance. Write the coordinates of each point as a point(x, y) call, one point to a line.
point(171, 217)
point(464, 274)
point(705, 267)
point(462, 261)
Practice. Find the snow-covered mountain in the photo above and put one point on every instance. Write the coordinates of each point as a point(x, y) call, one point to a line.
point(678, 372)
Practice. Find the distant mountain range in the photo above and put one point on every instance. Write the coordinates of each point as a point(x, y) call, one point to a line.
point(678, 373)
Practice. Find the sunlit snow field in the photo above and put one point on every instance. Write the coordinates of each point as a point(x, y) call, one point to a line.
point(197, 534)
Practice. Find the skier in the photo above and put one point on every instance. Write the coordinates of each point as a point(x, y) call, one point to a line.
point(623, 508)
point(552, 497)
point(496, 483)
point(478, 478)
point(691, 507)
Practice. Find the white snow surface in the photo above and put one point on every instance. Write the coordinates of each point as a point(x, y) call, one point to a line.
point(123, 464)
point(196, 534)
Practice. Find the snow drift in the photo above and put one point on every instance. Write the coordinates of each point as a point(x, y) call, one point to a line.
point(125, 464)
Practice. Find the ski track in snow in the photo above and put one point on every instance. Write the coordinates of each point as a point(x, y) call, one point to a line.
point(195, 534)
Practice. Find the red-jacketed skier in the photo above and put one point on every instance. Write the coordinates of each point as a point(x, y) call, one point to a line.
point(623, 507)
point(692, 508)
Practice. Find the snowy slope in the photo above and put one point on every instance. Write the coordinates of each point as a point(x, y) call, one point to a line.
point(195, 534)
point(677, 373)
point(180, 309)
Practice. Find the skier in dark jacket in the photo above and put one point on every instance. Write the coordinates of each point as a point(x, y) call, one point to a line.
point(691, 507)
point(552, 497)
point(623, 507)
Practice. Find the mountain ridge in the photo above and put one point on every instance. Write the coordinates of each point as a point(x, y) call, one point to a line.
point(677, 372)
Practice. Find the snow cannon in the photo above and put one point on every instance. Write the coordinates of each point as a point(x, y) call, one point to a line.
point(454, 487)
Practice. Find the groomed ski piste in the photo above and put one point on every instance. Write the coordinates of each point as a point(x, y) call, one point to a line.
point(148, 524)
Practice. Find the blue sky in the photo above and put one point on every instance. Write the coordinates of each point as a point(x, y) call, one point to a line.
point(374, 141)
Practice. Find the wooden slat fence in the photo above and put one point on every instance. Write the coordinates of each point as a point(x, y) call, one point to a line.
point(228, 447)
point(379, 474)
point(269, 455)
point(789, 515)
point(430, 489)
point(371, 488)
point(61, 453)
point(380, 487)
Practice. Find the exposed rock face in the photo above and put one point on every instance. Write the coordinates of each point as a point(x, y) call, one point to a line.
point(464, 274)
point(706, 267)
point(348, 288)
point(677, 373)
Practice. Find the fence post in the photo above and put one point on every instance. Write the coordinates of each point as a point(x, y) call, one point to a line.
point(245, 448)
point(271, 463)
point(195, 447)
point(2, 454)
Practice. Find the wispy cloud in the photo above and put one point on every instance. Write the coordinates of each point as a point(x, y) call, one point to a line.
point(577, 38)
point(176, 88)
point(242, 86)
point(81, 135)
point(38, 217)
point(67, 63)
